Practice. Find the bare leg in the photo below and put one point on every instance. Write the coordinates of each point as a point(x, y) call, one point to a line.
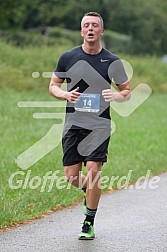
point(93, 191)
point(74, 175)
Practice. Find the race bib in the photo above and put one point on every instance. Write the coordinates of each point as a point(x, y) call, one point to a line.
point(88, 103)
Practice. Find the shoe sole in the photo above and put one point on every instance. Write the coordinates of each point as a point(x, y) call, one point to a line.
point(86, 238)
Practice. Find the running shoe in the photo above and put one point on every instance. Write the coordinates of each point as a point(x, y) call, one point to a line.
point(87, 232)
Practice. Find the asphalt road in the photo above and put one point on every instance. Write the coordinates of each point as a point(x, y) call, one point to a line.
point(129, 220)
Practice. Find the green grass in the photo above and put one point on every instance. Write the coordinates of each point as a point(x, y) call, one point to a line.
point(138, 144)
point(17, 65)
point(150, 70)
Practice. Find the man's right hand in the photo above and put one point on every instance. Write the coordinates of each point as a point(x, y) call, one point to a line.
point(73, 96)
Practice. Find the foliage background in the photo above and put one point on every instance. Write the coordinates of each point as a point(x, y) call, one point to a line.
point(33, 34)
point(143, 23)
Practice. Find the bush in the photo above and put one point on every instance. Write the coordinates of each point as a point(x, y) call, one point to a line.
point(73, 36)
point(49, 36)
point(33, 37)
point(118, 43)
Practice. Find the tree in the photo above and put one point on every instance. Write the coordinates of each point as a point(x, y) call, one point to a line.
point(12, 13)
point(144, 21)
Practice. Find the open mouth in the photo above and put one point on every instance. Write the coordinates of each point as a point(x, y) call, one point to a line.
point(90, 35)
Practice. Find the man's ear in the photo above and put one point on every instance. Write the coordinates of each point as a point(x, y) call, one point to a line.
point(81, 33)
point(102, 33)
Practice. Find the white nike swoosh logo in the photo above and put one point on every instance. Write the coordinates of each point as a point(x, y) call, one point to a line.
point(104, 60)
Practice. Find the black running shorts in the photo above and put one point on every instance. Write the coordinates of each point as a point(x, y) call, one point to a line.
point(70, 143)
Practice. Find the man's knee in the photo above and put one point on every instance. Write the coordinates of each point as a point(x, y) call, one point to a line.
point(71, 174)
point(94, 168)
point(70, 177)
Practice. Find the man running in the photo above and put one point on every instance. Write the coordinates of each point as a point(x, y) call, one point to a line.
point(90, 72)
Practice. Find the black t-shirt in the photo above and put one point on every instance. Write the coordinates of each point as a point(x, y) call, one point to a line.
point(92, 74)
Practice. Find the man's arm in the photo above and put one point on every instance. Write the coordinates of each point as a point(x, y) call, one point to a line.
point(122, 95)
point(56, 90)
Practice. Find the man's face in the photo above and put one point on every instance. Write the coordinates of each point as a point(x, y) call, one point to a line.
point(91, 28)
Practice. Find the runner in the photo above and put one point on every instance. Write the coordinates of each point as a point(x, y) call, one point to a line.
point(89, 74)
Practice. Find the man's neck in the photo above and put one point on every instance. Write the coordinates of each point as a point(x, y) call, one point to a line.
point(91, 48)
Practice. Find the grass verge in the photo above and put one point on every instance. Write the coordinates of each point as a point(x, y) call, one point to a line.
point(138, 144)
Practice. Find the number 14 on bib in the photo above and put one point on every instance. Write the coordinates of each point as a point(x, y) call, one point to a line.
point(88, 103)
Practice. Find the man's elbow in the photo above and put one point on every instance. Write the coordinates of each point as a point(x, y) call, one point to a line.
point(50, 89)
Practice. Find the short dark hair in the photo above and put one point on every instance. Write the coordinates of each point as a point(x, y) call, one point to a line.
point(94, 14)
